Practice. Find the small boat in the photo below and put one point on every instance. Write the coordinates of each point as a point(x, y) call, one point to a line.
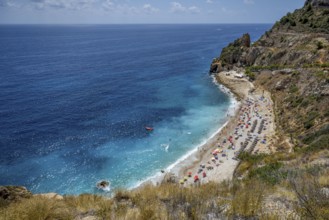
point(103, 185)
point(149, 128)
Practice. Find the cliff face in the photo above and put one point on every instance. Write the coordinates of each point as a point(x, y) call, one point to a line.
point(292, 61)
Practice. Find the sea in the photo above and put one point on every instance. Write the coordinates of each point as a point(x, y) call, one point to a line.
point(75, 101)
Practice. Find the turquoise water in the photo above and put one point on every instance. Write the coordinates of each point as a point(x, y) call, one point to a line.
point(75, 101)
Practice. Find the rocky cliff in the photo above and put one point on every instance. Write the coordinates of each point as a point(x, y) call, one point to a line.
point(292, 61)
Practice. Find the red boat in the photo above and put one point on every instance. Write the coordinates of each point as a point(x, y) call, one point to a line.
point(149, 128)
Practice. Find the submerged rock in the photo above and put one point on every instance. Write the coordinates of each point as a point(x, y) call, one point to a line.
point(103, 185)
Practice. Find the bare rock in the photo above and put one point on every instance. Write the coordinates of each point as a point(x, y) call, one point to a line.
point(216, 67)
point(14, 193)
point(252, 55)
point(324, 90)
point(280, 85)
point(325, 192)
point(245, 40)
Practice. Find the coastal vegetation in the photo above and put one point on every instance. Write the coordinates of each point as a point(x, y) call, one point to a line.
point(290, 183)
point(271, 190)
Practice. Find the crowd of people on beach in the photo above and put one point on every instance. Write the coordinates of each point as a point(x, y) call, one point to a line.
point(253, 119)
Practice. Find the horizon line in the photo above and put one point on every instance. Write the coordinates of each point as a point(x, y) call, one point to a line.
point(132, 23)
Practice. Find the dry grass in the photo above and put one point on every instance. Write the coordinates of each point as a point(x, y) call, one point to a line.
point(324, 179)
point(248, 199)
point(243, 167)
point(313, 203)
point(238, 198)
point(37, 208)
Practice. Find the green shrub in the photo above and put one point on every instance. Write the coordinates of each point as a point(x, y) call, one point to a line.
point(292, 23)
point(250, 74)
point(320, 144)
point(314, 135)
point(309, 121)
point(309, 7)
point(296, 101)
point(304, 103)
point(319, 45)
point(308, 124)
point(293, 89)
point(284, 20)
point(304, 20)
point(251, 158)
point(268, 173)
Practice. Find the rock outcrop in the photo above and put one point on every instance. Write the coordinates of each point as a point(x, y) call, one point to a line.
point(234, 53)
point(14, 193)
point(292, 62)
point(298, 39)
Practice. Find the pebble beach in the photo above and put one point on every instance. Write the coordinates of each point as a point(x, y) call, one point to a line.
point(250, 128)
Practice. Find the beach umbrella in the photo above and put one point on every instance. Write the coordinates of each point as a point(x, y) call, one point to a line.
point(196, 178)
point(189, 174)
point(181, 182)
point(185, 178)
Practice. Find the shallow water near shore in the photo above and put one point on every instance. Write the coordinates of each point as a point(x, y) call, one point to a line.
point(75, 101)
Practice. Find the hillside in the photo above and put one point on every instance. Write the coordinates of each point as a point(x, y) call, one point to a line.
point(291, 61)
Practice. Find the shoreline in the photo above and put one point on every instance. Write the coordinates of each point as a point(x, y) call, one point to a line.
point(203, 152)
point(200, 151)
point(250, 107)
point(250, 129)
point(175, 167)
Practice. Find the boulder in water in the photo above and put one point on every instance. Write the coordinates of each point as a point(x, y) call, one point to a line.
point(104, 185)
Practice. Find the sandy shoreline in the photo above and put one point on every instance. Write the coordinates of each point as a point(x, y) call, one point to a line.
point(250, 127)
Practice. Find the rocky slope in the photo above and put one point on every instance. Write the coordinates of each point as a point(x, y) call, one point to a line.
point(291, 61)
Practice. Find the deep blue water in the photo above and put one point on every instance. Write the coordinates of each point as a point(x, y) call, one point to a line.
point(75, 100)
